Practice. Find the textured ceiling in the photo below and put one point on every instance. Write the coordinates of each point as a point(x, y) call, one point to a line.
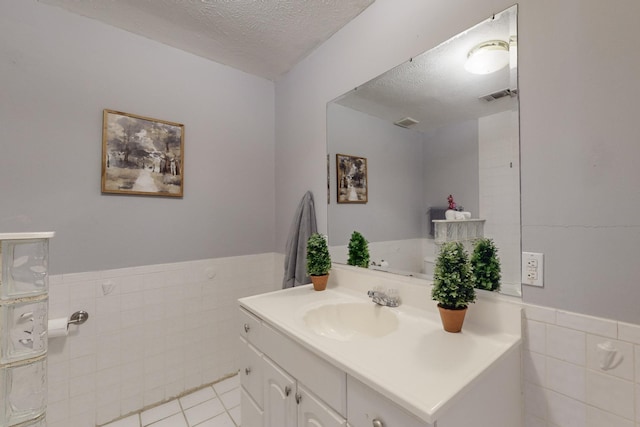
point(261, 37)
point(434, 87)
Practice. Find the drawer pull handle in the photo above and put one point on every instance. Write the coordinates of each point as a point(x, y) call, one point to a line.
point(246, 327)
point(247, 370)
point(287, 391)
point(377, 423)
point(298, 398)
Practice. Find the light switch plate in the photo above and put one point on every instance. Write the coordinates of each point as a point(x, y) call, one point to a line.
point(532, 269)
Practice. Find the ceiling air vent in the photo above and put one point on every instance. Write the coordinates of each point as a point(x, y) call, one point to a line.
point(406, 122)
point(499, 94)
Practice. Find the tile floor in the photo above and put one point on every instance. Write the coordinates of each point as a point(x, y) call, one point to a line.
point(212, 406)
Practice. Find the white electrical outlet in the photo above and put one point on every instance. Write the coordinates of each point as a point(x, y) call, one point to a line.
point(532, 269)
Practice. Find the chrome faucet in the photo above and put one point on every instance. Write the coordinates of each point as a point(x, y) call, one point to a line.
point(388, 299)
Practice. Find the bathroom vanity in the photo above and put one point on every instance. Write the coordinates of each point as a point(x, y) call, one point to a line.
point(334, 358)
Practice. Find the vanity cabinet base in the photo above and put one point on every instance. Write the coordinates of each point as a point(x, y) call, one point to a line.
point(493, 400)
point(293, 387)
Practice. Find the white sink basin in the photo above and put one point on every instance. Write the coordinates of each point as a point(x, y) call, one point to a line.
point(349, 321)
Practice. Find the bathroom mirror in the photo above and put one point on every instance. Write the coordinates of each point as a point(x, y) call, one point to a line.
point(431, 128)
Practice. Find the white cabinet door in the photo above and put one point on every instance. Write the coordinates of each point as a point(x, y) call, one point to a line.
point(314, 413)
point(279, 397)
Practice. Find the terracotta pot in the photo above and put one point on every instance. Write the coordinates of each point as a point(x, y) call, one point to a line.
point(320, 282)
point(452, 319)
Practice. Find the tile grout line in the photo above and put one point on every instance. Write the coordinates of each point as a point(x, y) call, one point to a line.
point(219, 397)
point(225, 406)
point(184, 415)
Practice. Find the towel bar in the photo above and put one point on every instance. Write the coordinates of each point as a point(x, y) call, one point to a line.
point(78, 318)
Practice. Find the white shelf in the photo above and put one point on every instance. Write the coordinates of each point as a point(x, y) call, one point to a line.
point(22, 236)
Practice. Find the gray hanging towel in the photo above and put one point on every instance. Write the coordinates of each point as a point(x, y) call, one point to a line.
point(295, 260)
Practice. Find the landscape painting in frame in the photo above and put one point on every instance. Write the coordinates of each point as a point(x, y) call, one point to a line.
point(141, 155)
point(352, 179)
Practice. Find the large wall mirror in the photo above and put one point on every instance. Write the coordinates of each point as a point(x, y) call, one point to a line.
point(430, 128)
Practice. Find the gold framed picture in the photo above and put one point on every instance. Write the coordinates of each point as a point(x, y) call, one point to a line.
point(352, 185)
point(142, 156)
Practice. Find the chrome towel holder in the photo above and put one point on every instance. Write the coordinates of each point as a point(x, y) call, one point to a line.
point(78, 318)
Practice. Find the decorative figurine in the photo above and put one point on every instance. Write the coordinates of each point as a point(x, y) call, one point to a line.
point(452, 204)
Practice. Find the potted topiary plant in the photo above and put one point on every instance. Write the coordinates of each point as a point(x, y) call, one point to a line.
point(452, 286)
point(318, 261)
point(358, 250)
point(485, 265)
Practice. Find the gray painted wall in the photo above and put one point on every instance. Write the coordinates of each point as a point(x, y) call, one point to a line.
point(579, 172)
point(394, 159)
point(579, 131)
point(409, 171)
point(451, 166)
point(58, 72)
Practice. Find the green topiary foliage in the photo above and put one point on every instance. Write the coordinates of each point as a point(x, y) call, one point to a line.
point(485, 265)
point(318, 258)
point(452, 286)
point(358, 251)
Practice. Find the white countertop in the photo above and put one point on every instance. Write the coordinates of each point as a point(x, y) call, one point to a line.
point(418, 366)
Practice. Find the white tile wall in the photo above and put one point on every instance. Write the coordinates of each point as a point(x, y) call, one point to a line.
point(566, 344)
point(403, 256)
point(564, 411)
point(564, 384)
point(566, 378)
point(154, 332)
point(158, 331)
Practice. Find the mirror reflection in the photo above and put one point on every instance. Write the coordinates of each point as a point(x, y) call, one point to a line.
point(444, 123)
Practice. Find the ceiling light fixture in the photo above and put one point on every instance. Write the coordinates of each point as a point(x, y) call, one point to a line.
point(488, 57)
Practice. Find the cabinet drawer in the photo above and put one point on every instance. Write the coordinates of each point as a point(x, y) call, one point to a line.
point(250, 327)
point(365, 405)
point(327, 382)
point(252, 372)
point(250, 412)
